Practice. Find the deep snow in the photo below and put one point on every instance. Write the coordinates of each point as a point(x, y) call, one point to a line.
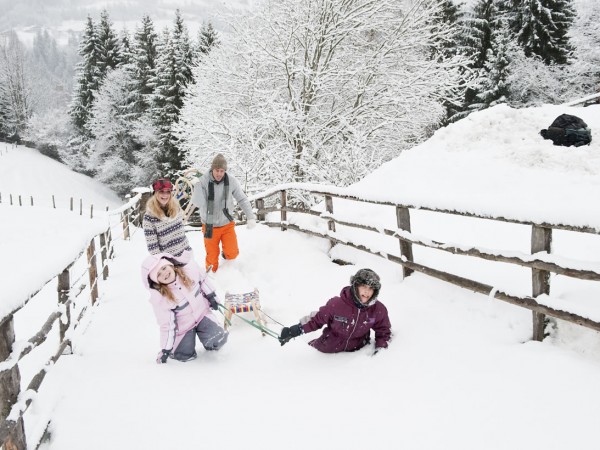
point(461, 371)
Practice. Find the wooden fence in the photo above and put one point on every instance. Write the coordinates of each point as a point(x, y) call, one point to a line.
point(70, 287)
point(541, 261)
point(28, 200)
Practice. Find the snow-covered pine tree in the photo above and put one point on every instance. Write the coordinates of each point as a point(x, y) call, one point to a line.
point(15, 85)
point(143, 65)
point(112, 151)
point(542, 27)
point(48, 74)
point(449, 17)
point(184, 56)
point(88, 77)
point(492, 85)
point(447, 45)
point(109, 47)
point(173, 73)
point(207, 39)
point(4, 113)
point(478, 45)
point(125, 49)
point(164, 109)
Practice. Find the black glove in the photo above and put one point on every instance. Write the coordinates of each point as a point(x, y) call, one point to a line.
point(377, 350)
point(214, 304)
point(163, 355)
point(288, 333)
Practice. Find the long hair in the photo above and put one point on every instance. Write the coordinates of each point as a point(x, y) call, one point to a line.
point(164, 288)
point(154, 208)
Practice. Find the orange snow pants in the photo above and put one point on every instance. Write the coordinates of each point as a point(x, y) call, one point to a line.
point(225, 236)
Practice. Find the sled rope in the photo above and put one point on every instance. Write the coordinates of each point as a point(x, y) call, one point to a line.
point(253, 323)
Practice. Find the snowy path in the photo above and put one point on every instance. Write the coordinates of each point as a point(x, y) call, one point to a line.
point(460, 372)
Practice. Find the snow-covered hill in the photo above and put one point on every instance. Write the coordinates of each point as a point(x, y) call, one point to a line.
point(460, 373)
point(495, 163)
point(38, 242)
point(26, 172)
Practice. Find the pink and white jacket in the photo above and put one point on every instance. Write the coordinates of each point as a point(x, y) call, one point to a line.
point(176, 319)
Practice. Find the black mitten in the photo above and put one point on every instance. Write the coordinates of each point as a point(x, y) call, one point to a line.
point(288, 333)
point(212, 300)
point(163, 356)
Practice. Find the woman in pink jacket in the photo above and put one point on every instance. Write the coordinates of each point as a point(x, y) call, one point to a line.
point(182, 298)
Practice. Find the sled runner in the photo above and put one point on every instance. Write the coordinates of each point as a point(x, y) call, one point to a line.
point(243, 303)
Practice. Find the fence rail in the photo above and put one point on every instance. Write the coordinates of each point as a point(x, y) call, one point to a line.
point(541, 261)
point(69, 289)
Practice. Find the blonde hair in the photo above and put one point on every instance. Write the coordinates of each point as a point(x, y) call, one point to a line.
point(154, 208)
point(164, 288)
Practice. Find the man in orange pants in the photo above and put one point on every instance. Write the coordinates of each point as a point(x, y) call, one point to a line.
point(213, 195)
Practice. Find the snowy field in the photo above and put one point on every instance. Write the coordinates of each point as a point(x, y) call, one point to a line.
point(461, 371)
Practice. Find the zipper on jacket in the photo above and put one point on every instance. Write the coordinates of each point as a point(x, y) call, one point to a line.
point(350, 335)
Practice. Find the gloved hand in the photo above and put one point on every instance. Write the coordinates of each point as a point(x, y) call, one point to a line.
point(377, 350)
point(288, 333)
point(162, 357)
point(251, 224)
point(212, 299)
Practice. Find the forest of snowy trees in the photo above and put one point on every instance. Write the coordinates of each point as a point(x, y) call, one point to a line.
point(303, 90)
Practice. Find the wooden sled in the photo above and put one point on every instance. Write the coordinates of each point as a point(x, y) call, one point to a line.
point(243, 303)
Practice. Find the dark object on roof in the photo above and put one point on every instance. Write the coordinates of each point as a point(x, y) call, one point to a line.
point(568, 130)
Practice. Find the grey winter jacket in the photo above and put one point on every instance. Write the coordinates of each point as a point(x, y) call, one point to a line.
point(200, 199)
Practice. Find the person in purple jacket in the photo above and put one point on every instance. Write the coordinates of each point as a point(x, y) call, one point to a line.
point(348, 319)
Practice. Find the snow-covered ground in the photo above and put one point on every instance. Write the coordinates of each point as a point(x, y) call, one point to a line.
point(461, 371)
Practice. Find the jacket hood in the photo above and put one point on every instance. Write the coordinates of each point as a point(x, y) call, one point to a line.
point(149, 263)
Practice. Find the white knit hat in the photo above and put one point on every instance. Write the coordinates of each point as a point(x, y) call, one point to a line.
point(159, 265)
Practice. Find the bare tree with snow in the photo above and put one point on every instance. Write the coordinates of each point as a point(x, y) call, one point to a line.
point(317, 90)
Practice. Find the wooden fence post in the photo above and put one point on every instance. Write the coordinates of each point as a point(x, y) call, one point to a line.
point(329, 209)
point(125, 220)
point(10, 381)
point(103, 255)
point(142, 208)
point(20, 201)
point(283, 210)
point(260, 205)
point(541, 240)
point(330, 222)
point(403, 220)
point(93, 271)
point(63, 288)
point(109, 245)
point(71, 204)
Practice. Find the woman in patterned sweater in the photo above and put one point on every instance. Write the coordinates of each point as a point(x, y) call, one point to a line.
point(163, 223)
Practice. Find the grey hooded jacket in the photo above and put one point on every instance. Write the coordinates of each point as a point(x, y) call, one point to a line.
point(200, 199)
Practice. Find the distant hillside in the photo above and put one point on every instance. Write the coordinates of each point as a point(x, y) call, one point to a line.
point(26, 172)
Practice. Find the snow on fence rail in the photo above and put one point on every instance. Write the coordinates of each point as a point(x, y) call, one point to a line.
point(540, 260)
point(70, 287)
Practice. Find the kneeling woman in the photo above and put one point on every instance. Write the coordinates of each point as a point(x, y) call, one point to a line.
point(182, 298)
